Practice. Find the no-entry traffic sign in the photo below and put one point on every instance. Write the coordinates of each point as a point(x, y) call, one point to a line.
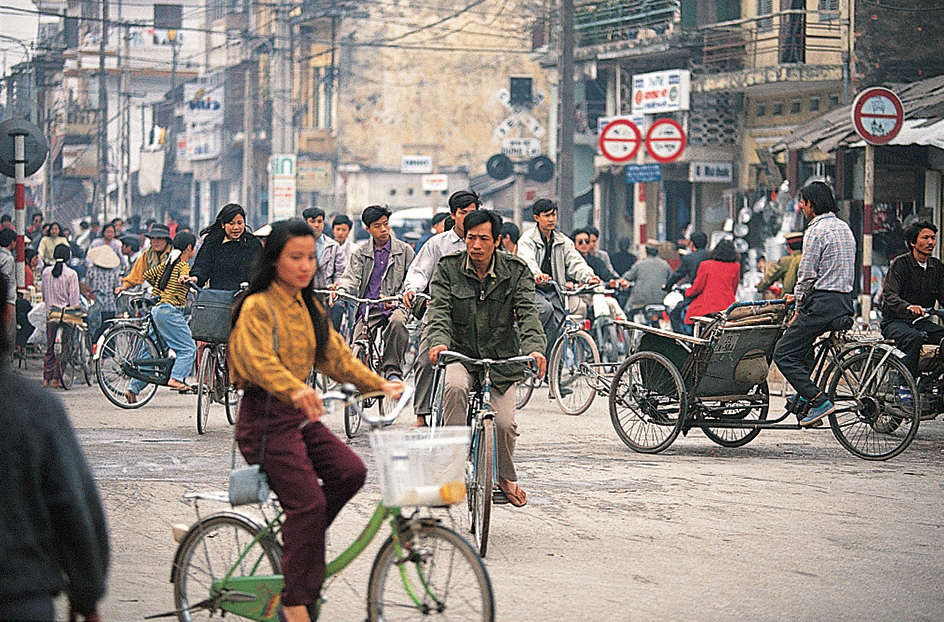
point(877, 115)
point(620, 140)
point(665, 140)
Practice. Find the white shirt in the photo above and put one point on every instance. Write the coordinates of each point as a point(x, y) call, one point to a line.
point(421, 270)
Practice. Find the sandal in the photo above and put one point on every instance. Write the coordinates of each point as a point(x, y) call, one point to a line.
point(516, 496)
point(131, 397)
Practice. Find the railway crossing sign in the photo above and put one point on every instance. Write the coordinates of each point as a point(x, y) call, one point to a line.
point(877, 115)
point(620, 140)
point(665, 140)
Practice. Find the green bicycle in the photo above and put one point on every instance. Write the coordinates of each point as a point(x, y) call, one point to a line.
point(229, 563)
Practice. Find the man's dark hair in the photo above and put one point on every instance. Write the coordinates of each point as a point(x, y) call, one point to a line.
point(35, 214)
point(373, 213)
point(623, 244)
point(699, 239)
point(820, 196)
point(512, 231)
point(542, 206)
point(437, 218)
point(592, 231)
point(911, 233)
point(577, 232)
point(449, 223)
point(652, 251)
point(6, 218)
point(84, 225)
point(313, 212)
point(132, 242)
point(481, 216)
point(6, 237)
point(342, 219)
point(463, 198)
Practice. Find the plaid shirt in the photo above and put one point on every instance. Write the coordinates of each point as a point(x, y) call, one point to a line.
point(828, 263)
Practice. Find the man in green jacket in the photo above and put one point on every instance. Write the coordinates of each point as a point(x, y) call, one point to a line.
point(786, 268)
point(477, 296)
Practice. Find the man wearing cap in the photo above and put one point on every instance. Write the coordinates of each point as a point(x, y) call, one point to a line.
point(417, 279)
point(154, 255)
point(786, 269)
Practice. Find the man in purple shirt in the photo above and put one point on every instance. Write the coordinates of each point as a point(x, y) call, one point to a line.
point(376, 270)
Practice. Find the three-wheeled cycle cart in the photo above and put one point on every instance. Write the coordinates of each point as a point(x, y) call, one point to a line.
point(717, 381)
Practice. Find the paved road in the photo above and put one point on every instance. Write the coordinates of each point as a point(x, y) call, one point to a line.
point(791, 527)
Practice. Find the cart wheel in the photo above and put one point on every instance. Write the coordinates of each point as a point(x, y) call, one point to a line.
point(877, 405)
point(648, 402)
point(743, 410)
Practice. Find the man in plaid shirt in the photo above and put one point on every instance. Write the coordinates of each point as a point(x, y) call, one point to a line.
point(823, 293)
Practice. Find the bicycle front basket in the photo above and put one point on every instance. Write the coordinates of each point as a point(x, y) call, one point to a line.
point(420, 467)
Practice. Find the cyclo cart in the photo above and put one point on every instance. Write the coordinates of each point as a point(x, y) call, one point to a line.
point(717, 381)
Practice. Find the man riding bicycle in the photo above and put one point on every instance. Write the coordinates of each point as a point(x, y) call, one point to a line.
point(461, 203)
point(823, 294)
point(477, 296)
point(914, 281)
point(377, 269)
point(551, 256)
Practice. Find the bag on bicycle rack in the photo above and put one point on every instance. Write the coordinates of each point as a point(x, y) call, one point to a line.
point(211, 314)
point(247, 485)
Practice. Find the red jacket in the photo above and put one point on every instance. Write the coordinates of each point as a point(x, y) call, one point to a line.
point(714, 289)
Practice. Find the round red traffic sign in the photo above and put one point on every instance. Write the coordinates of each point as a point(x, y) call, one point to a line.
point(877, 115)
point(620, 140)
point(665, 140)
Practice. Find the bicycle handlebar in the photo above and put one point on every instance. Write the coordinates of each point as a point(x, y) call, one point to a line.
point(929, 311)
point(450, 356)
point(348, 394)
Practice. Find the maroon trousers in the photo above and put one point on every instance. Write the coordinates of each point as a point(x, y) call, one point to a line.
point(294, 459)
point(50, 370)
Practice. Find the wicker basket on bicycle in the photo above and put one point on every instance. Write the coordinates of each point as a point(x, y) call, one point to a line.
point(71, 315)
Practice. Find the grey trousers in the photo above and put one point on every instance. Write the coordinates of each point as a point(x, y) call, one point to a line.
point(456, 408)
point(396, 339)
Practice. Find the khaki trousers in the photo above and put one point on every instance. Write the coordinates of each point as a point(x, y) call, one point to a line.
point(456, 408)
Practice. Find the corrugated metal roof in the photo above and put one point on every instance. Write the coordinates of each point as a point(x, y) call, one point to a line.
point(923, 103)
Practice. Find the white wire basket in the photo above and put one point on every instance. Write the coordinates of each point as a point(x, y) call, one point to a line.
point(420, 466)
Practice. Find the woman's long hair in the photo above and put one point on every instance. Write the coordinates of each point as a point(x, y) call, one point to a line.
point(214, 231)
point(820, 195)
point(724, 251)
point(181, 241)
point(62, 254)
point(49, 230)
point(264, 274)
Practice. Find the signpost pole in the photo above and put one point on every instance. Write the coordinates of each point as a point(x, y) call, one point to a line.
point(19, 205)
point(866, 295)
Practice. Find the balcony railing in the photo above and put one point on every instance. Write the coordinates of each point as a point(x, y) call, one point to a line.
point(782, 38)
point(75, 121)
point(598, 23)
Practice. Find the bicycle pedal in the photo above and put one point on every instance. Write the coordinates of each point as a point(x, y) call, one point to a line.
point(498, 497)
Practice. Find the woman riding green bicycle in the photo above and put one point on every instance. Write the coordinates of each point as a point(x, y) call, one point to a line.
point(279, 333)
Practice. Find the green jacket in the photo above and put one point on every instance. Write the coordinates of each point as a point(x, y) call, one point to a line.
point(785, 270)
point(477, 318)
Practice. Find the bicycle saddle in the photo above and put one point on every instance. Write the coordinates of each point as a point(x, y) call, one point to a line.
point(843, 322)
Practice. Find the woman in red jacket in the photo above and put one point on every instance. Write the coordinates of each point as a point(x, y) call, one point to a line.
point(716, 283)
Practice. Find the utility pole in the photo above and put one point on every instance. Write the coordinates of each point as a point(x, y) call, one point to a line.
point(102, 198)
point(249, 123)
point(282, 142)
point(565, 159)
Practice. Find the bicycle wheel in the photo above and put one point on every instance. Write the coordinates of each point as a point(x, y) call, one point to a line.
point(205, 388)
point(121, 346)
point(648, 402)
point(211, 549)
point(523, 391)
point(752, 409)
point(569, 383)
point(66, 364)
point(872, 419)
point(84, 352)
point(352, 412)
point(480, 474)
point(435, 576)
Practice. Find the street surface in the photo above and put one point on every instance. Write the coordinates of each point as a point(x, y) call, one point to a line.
point(790, 527)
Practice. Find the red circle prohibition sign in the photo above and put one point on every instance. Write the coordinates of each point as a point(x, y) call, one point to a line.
point(877, 115)
point(620, 140)
point(665, 140)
